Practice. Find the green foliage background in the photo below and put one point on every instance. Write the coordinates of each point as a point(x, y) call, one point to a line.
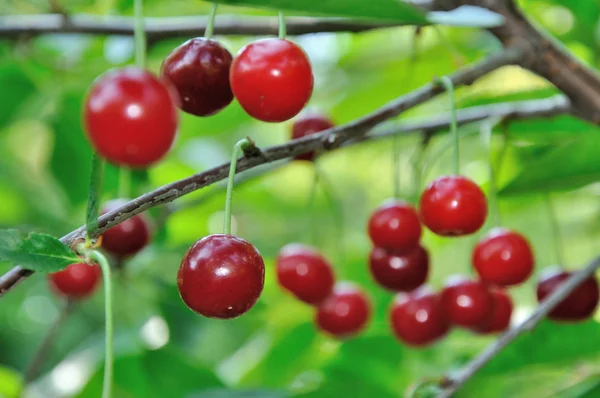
point(274, 351)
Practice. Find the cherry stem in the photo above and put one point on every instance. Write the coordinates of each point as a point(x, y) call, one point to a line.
point(238, 147)
point(99, 258)
point(124, 182)
point(94, 195)
point(337, 215)
point(210, 25)
point(139, 33)
point(310, 204)
point(449, 87)
point(282, 30)
point(555, 227)
point(486, 129)
point(396, 166)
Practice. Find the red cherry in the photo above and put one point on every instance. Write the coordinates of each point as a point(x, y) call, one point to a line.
point(453, 206)
point(503, 258)
point(305, 273)
point(221, 276)
point(272, 79)
point(130, 117)
point(579, 305)
point(345, 313)
point(466, 303)
point(77, 281)
point(395, 225)
point(199, 70)
point(309, 124)
point(127, 238)
point(417, 318)
point(399, 272)
point(501, 313)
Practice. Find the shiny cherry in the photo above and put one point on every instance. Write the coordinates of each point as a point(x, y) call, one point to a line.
point(345, 313)
point(395, 225)
point(453, 206)
point(199, 71)
point(579, 305)
point(127, 238)
point(466, 303)
point(304, 272)
point(272, 79)
point(221, 276)
point(399, 272)
point(307, 124)
point(502, 309)
point(130, 117)
point(503, 258)
point(417, 318)
point(76, 281)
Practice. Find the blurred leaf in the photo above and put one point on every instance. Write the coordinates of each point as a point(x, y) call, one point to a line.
point(224, 393)
point(389, 10)
point(589, 388)
point(428, 389)
point(467, 16)
point(38, 252)
point(10, 382)
point(13, 80)
point(569, 166)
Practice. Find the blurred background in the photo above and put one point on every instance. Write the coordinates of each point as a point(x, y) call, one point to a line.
point(165, 350)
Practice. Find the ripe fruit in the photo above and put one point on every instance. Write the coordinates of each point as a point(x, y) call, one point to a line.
point(308, 124)
point(77, 281)
point(221, 276)
point(579, 305)
point(127, 238)
point(305, 273)
point(130, 117)
point(417, 318)
point(503, 258)
point(345, 312)
point(501, 313)
point(453, 206)
point(199, 71)
point(466, 303)
point(399, 272)
point(272, 79)
point(395, 225)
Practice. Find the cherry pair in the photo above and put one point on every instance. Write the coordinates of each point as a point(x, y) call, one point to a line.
point(343, 309)
point(271, 78)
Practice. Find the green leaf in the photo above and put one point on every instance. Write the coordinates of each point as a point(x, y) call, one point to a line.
point(37, 252)
point(226, 393)
point(95, 194)
point(467, 16)
point(388, 10)
point(10, 382)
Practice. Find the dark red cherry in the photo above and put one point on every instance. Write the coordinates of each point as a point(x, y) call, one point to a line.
point(308, 124)
point(503, 258)
point(501, 313)
point(77, 281)
point(453, 206)
point(417, 318)
point(345, 313)
point(127, 238)
point(199, 71)
point(579, 305)
point(466, 303)
point(221, 276)
point(395, 225)
point(399, 272)
point(131, 117)
point(272, 79)
point(304, 272)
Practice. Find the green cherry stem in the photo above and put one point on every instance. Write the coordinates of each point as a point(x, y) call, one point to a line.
point(396, 166)
point(210, 25)
point(108, 313)
point(238, 147)
point(124, 182)
point(449, 87)
point(139, 33)
point(282, 30)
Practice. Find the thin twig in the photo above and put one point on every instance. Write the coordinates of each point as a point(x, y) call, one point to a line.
point(469, 370)
point(32, 370)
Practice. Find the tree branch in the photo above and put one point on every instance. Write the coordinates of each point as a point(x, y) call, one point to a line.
point(169, 27)
point(454, 383)
point(326, 140)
